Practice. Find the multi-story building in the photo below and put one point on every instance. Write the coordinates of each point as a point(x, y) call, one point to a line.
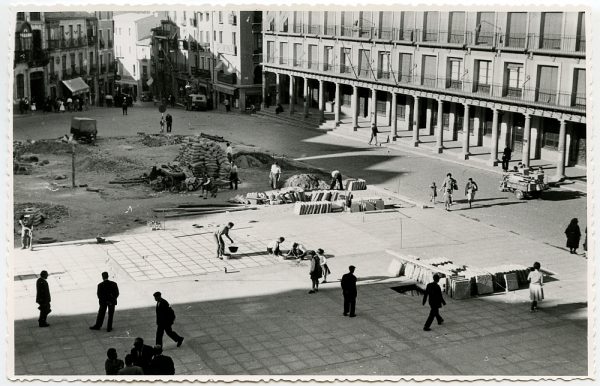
point(512, 79)
point(103, 66)
point(217, 53)
point(132, 34)
point(60, 54)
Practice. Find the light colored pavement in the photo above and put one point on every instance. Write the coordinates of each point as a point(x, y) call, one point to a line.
point(259, 318)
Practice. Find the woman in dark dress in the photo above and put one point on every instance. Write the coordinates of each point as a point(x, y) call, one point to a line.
point(573, 235)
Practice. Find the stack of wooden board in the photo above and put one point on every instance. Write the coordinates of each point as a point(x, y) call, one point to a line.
point(498, 275)
point(460, 287)
point(312, 207)
point(324, 195)
point(356, 184)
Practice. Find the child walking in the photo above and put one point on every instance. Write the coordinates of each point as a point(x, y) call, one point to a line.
point(433, 195)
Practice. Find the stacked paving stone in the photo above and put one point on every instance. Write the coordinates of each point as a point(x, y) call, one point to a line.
point(202, 155)
point(356, 184)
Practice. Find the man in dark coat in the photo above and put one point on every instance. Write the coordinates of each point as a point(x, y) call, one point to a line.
point(142, 355)
point(436, 300)
point(165, 317)
point(506, 155)
point(42, 298)
point(169, 119)
point(108, 292)
point(161, 364)
point(124, 105)
point(349, 292)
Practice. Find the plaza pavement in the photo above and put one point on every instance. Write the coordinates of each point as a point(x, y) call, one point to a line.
point(259, 319)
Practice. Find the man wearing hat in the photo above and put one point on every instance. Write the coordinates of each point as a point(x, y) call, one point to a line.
point(349, 292)
point(165, 317)
point(42, 298)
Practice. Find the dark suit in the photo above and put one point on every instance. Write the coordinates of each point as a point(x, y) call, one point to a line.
point(349, 291)
point(164, 322)
point(107, 292)
point(436, 300)
point(142, 357)
point(42, 298)
point(162, 365)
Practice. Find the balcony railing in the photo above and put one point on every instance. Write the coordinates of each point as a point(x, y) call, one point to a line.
point(53, 77)
point(201, 73)
point(227, 78)
point(35, 58)
point(312, 29)
point(110, 44)
point(229, 49)
point(101, 44)
point(500, 92)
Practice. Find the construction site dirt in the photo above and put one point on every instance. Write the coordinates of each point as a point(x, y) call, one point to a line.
point(93, 205)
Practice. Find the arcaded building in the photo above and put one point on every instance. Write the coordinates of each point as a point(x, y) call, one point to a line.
point(515, 79)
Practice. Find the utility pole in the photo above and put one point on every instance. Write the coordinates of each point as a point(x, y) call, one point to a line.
point(73, 164)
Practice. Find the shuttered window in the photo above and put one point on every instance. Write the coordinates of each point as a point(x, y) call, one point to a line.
point(485, 28)
point(407, 25)
point(405, 68)
point(429, 73)
point(547, 84)
point(329, 23)
point(430, 27)
point(456, 28)
point(297, 54)
point(364, 63)
point(283, 53)
point(454, 73)
point(383, 70)
point(313, 56)
point(517, 27)
point(579, 87)
point(551, 27)
point(385, 28)
point(270, 52)
point(346, 56)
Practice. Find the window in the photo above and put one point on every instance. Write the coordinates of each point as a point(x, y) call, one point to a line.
point(134, 70)
point(405, 68)
point(579, 88)
point(429, 73)
point(64, 63)
point(234, 38)
point(386, 26)
point(298, 20)
point(20, 84)
point(129, 31)
point(328, 59)
point(201, 16)
point(551, 27)
point(283, 21)
point(220, 17)
point(454, 74)
point(383, 69)
point(484, 33)
point(270, 52)
point(80, 61)
point(79, 30)
point(456, 28)
point(214, 36)
point(220, 36)
point(347, 23)
point(91, 61)
point(329, 28)
point(35, 16)
point(513, 80)
point(407, 25)
point(430, 26)
point(313, 56)
point(517, 25)
point(20, 17)
point(297, 54)
point(208, 36)
point(483, 68)
point(346, 60)
point(547, 84)
point(283, 53)
point(207, 16)
point(551, 140)
point(364, 63)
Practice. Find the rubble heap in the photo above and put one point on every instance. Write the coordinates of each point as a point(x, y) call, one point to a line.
point(306, 182)
point(201, 156)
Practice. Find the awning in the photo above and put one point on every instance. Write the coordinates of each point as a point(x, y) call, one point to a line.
point(150, 81)
point(76, 86)
point(224, 88)
point(127, 80)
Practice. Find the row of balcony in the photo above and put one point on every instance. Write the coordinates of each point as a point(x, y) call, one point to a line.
point(200, 72)
point(488, 40)
point(81, 41)
point(102, 45)
point(543, 96)
point(74, 72)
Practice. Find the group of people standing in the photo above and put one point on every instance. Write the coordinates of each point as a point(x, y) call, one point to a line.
point(449, 186)
point(142, 356)
point(48, 105)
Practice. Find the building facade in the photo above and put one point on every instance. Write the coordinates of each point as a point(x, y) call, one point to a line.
point(513, 79)
point(132, 37)
point(217, 53)
point(60, 54)
point(104, 66)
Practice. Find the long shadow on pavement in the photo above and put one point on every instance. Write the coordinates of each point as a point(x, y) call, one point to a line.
point(293, 332)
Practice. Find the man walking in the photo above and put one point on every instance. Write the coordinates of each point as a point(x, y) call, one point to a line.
point(274, 175)
point(374, 132)
point(336, 179)
point(219, 238)
point(42, 298)
point(165, 317)
point(470, 189)
point(108, 292)
point(434, 293)
point(349, 292)
point(124, 105)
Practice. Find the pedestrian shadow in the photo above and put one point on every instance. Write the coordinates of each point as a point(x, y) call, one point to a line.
point(464, 200)
point(561, 195)
point(475, 206)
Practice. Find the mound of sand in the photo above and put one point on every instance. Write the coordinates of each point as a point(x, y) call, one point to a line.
point(247, 161)
point(306, 182)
